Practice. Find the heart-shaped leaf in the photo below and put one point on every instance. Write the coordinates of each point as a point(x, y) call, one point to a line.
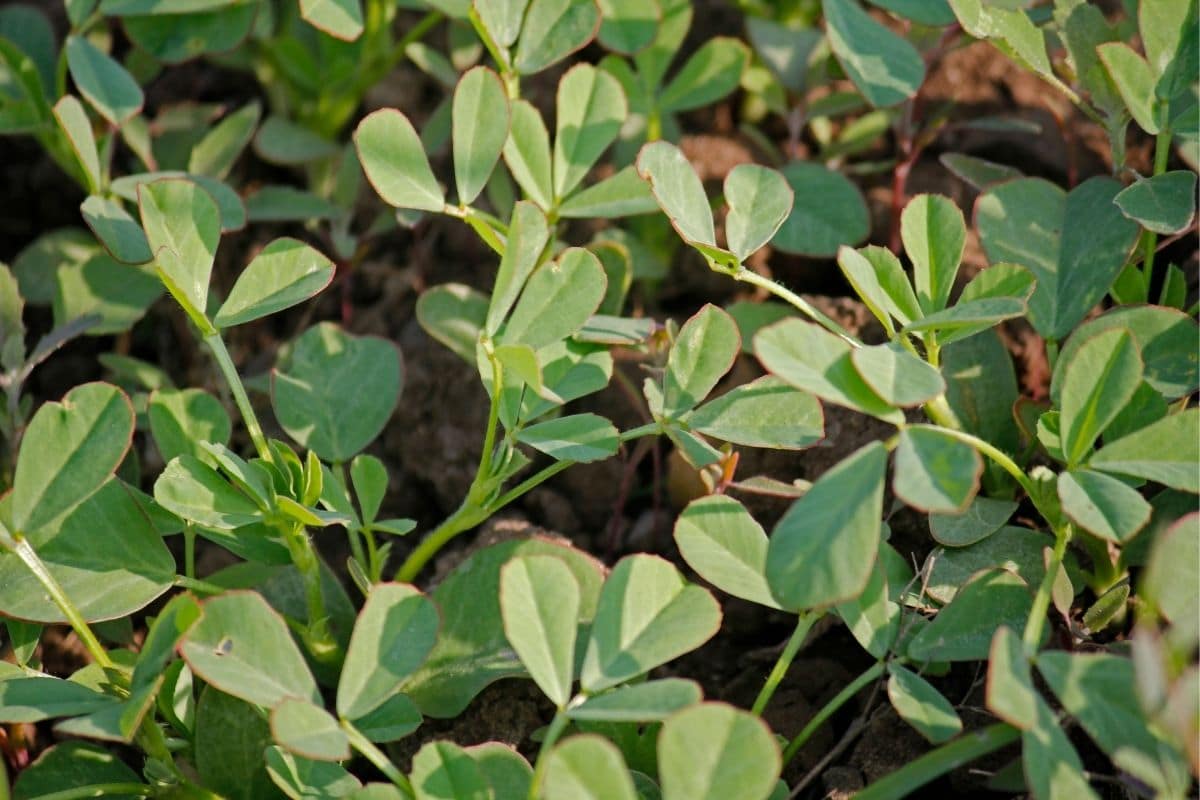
point(244, 648)
point(1074, 244)
point(759, 201)
point(480, 129)
point(69, 450)
point(310, 397)
point(896, 375)
point(393, 635)
point(721, 541)
point(1164, 203)
point(714, 751)
point(286, 272)
point(935, 472)
point(703, 351)
point(183, 227)
point(395, 163)
point(823, 548)
point(539, 599)
point(590, 111)
point(647, 615)
point(678, 190)
point(885, 68)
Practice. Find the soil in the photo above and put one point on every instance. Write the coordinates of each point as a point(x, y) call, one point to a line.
point(432, 445)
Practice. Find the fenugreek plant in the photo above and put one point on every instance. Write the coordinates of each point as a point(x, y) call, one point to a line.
point(1065, 540)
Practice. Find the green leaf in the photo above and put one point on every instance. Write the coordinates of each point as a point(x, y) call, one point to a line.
point(628, 26)
point(578, 437)
point(981, 388)
point(281, 141)
point(978, 172)
point(454, 315)
point(527, 153)
point(1010, 692)
point(394, 633)
point(1094, 689)
point(229, 204)
point(75, 124)
point(1098, 382)
point(646, 615)
point(557, 300)
point(719, 539)
point(621, 195)
point(480, 129)
point(395, 163)
point(310, 397)
point(553, 29)
point(759, 201)
point(1105, 506)
point(963, 630)
point(587, 767)
point(885, 68)
point(28, 700)
point(822, 550)
point(1168, 29)
point(678, 190)
point(785, 50)
point(196, 492)
point(934, 234)
point(103, 82)
point(1135, 82)
point(935, 473)
point(183, 227)
point(69, 449)
point(502, 18)
point(342, 19)
point(703, 351)
point(590, 111)
point(230, 738)
point(1169, 583)
point(505, 769)
point(983, 517)
point(114, 295)
point(877, 276)
point(444, 771)
point(896, 375)
point(116, 229)
point(652, 701)
point(1163, 204)
point(874, 618)
point(1074, 244)
point(528, 233)
point(539, 600)
point(181, 418)
point(286, 272)
point(1052, 767)
point(287, 204)
point(242, 647)
point(1165, 338)
point(370, 479)
point(70, 767)
point(714, 751)
point(106, 555)
point(309, 731)
point(921, 705)
point(763, 413)
point(396, 718)
point(214, 155)
point(305, 779)
point(711, 72)
point(935, 13)
point(209, 31)
point(472, 650)
point(1012, 548)
point(814, 360)
point(828, 212)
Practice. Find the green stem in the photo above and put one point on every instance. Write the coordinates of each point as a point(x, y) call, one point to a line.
point(101, 790)
point(803, 626)
point(199, 586)
point(318, 636)
point(1041, 600)
point(753, 278)
point(831, 708)
point(376, 756)
point(217, 345)
point(963, 750)
point(1162, 152)
point(20, 545)
point(557, 726)
point(466, 517)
